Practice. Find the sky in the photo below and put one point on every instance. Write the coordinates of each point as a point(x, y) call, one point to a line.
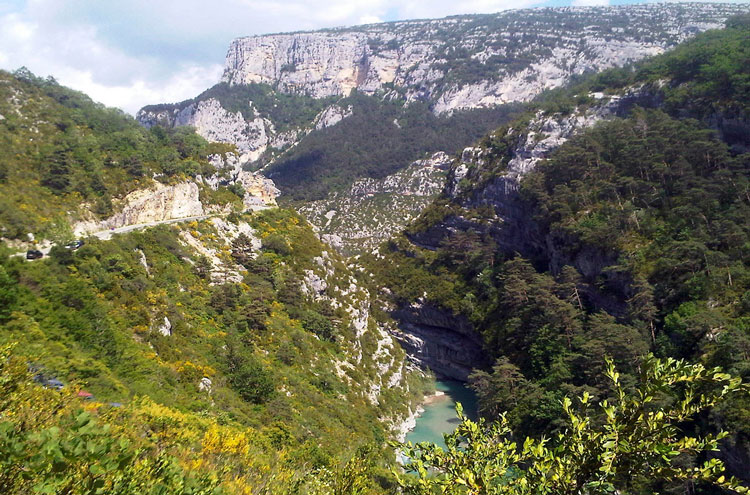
point(130, 53)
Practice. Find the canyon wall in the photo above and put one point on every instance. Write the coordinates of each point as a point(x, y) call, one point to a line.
point(467, 61)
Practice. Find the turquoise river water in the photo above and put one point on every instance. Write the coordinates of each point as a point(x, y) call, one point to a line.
point(439, 414)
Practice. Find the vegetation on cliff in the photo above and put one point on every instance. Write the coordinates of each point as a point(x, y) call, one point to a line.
point(64, 155)
point(285, 111)
point(249, 383)
point(236, 355)
point(636, 447)
point(636, 240)
point(378, 139)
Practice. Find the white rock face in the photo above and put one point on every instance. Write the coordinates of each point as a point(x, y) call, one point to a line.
point(253, 136)
point(330, 280)
point(332, 116)
point(218, 125)
point(371, 210)
point(324, 63)
point(221, 269)
point(215, 124)
point(144, 261)
point(260, 192)
point(205, 385)
point(163, 203)
point(439, 60)
point(165, 328)
point(157, 204)
point(546, 134)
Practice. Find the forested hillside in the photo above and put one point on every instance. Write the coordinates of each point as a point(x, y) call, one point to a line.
point(272, 374)
point(593, 252)
point(376, 140)
point(66, 156)
point(235, 353)
point(624, 238)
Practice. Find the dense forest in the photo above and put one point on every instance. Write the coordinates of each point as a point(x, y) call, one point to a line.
point(637, 241)
point(64, 154)
point(378, 139)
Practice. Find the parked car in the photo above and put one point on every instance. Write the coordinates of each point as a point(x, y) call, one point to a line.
point(54, 383)
point(74, 245)
point(45, 382)
point(33, 254)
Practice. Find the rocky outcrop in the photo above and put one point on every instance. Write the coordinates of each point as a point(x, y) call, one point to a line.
point(260, 192)
point(157, 204)
point(332, 116)
point(162, 203)
point(211, 121)
point(165, 328)
point(373, 210)
point(331, 281)
point(491, 59)
point(253, 135)
point(445, 343)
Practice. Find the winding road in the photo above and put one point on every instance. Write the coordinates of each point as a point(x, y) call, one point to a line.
point(107, 234)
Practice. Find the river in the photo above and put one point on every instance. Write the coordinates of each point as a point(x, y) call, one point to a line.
point(439, 414)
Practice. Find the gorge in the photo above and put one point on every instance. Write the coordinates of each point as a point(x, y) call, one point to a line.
point(542, 214)
point(287, 100)
point(408, 63)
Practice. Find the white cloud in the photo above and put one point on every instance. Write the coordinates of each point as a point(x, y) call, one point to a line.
point(369, 19)
point(135, 52)
point(129, 53)
point(185, 84)
point(78, 58)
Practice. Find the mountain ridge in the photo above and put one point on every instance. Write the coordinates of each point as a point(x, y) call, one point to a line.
point(612, 220)
point(456, 67)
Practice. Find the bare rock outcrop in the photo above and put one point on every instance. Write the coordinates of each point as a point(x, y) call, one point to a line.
point(491, 59)
point(156, 204)
point(372, 210)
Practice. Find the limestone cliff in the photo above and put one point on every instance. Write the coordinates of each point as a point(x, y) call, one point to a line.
point(467, 61)
point(436, 339)
point(461, 62)
point(452, 64)
point(252, 137)
point(161, 203)
point(151, 205)
point(371, 211)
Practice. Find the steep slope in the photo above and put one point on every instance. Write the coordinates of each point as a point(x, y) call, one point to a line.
point(255, 118)
point(422, 86)
point(372, 211)
point(592, 227)
point(68, 161)
point(234, 349)
point(249, 323)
